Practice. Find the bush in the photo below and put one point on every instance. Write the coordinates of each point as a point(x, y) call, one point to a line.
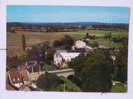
point(48, 82)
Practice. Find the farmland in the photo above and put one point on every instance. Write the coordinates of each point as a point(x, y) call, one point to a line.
point(14, 39)
point(33, 38)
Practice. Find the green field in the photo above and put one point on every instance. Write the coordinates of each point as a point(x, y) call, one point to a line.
point(101, 33)
point(107, 43)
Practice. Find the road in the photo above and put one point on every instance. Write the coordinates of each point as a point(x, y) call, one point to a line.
point(63, 72)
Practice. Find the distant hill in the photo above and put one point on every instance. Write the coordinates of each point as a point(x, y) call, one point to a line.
point(67, 23)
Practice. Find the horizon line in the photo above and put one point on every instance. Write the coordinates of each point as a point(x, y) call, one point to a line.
point(70, 22)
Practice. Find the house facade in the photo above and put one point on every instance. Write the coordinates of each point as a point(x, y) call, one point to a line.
point(61, 58)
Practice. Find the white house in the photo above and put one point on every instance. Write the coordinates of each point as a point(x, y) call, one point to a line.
point(79, 44)
point(61, 58)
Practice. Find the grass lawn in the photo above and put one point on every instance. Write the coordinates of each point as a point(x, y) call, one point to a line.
point(68, 85)
point(48, 67)
point(119, 87)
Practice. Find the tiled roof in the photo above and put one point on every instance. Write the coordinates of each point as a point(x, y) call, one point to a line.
point(17, 76)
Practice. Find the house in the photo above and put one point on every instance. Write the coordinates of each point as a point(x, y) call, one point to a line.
point(62, 57)
point(32, 66)
point(18, 78)
point(78, 44)
point(81, 46)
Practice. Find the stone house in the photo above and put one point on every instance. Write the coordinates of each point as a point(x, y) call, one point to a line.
point(62, 57)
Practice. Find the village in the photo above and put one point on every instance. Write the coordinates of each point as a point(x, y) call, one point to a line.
point(24, 75)
point(67, 48)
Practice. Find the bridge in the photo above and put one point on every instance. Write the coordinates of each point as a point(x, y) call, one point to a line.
point(63, 72)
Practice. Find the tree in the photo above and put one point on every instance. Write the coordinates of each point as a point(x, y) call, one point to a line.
point(48, 82)
point(22, 57)
point(23, 42)
point(15, 61)
point(50, 54)
point(38, 51)
point(94, 71)
point(12, 62)
point(57, 43)
point(120, 71)
point(42, 50)
point(33, 53)
point(66, 42)
point(51, 82)
point(87, 35)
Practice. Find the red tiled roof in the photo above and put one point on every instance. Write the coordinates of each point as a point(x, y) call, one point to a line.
point(18, 76)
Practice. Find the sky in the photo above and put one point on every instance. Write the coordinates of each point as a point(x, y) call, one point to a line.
point(52, 14)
